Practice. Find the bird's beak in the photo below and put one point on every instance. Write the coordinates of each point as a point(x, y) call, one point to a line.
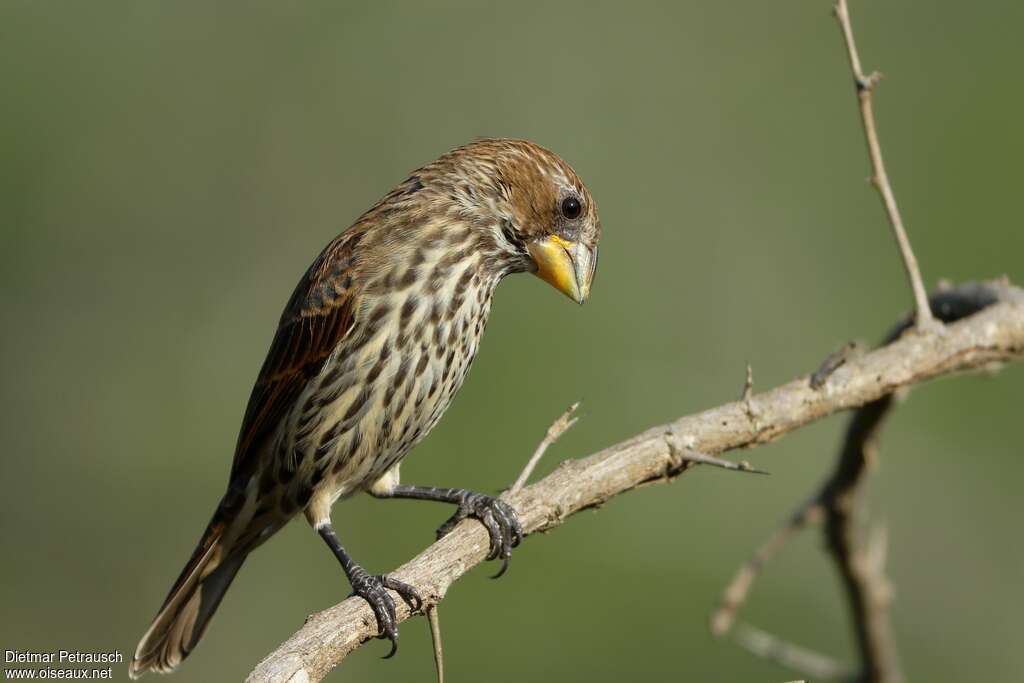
point(565, 265)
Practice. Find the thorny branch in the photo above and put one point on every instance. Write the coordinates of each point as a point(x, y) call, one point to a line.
point(991, 335)
point(865, 84)
point(859, 563)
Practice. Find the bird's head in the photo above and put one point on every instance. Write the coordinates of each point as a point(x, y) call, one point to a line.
point(538, 213)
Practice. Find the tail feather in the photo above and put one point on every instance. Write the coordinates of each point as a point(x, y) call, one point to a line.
point(183, 618)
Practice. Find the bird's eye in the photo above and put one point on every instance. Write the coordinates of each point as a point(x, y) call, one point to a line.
point(571, 208)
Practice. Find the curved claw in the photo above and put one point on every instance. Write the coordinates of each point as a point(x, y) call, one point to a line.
point(406, 591)
point(373, 589)
point(504, 567)
point(495, 531)
point(512, 533)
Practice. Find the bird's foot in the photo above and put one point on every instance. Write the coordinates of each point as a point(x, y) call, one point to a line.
point(373, 589)
point(497, 516)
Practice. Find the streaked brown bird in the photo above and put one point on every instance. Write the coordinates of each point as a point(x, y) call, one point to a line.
point(372, 346)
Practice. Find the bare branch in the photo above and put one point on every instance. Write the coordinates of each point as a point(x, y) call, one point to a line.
point(860, 564)
point(865, 88)
point(994, 334)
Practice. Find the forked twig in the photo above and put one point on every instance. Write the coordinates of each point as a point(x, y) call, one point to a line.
point(865, 84)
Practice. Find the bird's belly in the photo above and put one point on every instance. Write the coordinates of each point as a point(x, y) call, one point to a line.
point(364, 412)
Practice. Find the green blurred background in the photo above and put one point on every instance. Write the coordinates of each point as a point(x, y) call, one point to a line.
point(168, 170)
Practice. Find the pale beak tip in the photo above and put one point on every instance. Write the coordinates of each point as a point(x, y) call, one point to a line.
point(567, 266)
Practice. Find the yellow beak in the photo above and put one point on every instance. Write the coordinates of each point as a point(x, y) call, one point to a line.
point(567, 266)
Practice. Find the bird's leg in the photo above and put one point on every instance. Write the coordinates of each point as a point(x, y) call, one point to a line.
point(499, 518)
point(373, 589)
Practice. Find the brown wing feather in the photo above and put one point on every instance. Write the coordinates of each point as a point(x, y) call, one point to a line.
point(319, 314)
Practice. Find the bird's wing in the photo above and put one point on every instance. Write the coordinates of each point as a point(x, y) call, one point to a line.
point(319, 314)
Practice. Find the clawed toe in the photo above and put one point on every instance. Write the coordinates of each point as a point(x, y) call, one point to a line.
point(374, 589)
point(498, 517)
point(405, 591)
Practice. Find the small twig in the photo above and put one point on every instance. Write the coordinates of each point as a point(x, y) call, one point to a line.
point(555, 431)
point(880, 179)
point(688, 455)
point(748, 385)
point(435, 637)
point(746, 400)
point(816, 665)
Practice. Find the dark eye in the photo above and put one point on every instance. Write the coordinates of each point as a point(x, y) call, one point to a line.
point(571, 208)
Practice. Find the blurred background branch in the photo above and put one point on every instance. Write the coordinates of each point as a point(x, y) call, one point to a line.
point(994, 334)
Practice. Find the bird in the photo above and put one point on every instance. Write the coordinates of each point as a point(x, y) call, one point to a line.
point(372, 346)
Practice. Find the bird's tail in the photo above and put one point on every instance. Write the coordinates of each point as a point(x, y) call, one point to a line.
point(181, 621)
